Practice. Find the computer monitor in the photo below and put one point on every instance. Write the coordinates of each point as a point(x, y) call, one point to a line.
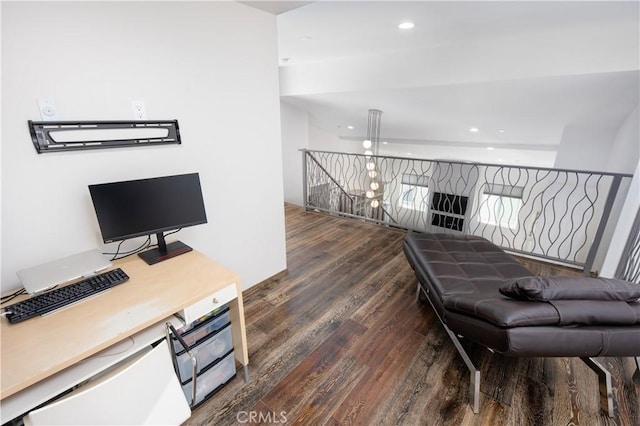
point(142, 207)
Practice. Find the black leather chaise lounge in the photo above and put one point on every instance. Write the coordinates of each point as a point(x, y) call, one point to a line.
point(484, 295)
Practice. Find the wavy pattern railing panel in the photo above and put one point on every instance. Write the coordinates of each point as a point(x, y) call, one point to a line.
point(557, 211)
point(547, 213)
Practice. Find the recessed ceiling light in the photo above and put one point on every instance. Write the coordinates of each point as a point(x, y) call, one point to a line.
point(384, 142)
point(408, 153)
point(406, 25)
point(474, 129)
point(500, 130)
point(350, 127)
point(489, 148)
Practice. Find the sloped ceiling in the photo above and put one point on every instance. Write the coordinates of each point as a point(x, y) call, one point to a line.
point(520, 72)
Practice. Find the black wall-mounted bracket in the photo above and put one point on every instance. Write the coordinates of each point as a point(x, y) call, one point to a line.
point(60, 136)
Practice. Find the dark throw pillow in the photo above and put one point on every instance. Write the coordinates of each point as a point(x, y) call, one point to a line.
point(570, 288)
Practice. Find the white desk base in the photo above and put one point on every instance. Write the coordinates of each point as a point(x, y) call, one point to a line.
point(27, 399)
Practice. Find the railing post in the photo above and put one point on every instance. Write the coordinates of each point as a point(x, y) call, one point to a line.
point(305, 199)
point(629, 263)
point(608, 205)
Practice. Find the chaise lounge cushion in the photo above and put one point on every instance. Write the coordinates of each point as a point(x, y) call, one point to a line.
point(506, 312)
point(571, 288)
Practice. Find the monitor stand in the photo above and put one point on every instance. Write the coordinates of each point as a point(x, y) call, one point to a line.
point(164, 251)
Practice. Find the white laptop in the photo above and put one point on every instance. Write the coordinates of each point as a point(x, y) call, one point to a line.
point(42, 277)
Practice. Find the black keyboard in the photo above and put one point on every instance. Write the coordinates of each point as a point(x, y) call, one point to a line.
point(63, 296)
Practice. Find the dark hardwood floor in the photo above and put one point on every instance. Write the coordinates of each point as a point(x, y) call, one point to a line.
point(340, 339)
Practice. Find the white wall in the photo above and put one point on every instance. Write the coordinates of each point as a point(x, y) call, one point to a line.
point(211, 65)
point(432, 151)
point(625, 151)
point(585, 148)
point(322, 140)
point(295, 136)
point(620, 155)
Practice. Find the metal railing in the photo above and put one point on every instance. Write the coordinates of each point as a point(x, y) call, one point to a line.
point(552, 214)
point(629, 267)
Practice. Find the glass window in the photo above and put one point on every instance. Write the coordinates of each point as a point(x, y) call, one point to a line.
point(414, 197)
point(500, 210)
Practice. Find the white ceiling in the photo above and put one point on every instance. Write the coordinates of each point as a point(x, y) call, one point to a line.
point(276, 7)
point(530, 68)
point(346, 28)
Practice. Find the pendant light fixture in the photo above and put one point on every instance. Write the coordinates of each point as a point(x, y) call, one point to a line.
point(372, 147)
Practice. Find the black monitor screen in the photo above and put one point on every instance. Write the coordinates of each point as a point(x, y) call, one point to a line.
point(148, 206)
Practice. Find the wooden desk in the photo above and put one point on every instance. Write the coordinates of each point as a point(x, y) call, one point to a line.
point(40, 347)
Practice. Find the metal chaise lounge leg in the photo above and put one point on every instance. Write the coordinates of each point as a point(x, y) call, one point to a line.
point(604, 385)
point(474, 385)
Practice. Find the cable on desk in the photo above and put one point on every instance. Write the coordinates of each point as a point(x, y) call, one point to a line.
point(143, 246)
point(12, 296)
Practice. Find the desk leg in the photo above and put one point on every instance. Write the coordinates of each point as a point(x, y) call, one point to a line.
point(238, 332)
point(245, 367)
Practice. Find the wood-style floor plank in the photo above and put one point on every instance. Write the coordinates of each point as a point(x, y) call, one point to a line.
point(301, 383)
point(364, 404)
point(339, 339)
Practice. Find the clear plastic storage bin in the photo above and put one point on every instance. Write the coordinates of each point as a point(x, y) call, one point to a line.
point(206, 352)
point(211, 379)
point(202, 330)
point(203, 319)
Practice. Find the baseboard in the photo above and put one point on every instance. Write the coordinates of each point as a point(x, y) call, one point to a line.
point(273, 277)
